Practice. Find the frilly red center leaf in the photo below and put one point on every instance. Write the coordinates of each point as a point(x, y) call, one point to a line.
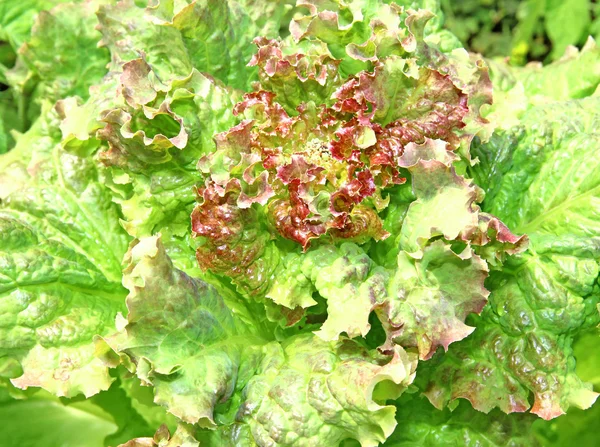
point(311, 170)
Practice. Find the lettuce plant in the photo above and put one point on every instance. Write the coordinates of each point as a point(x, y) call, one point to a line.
point(311, 223)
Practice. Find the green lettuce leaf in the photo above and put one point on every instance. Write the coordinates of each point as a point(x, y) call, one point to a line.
point(53, 34)
point(575, 426)
point(420, 304)
point(427, 303)
point(216, 35)
point(149, 140)
point(153, 145)
point(105, 419)
point(547, 186)
point(222, 369)
point(61, 249)
point(9, 121)
point(345, 276)
point(49, 64)
point(17, 18)
point(211, 36)
point(576, 75)
point(141, 401)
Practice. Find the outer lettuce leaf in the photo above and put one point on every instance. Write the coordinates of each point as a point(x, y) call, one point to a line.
point(427, 303)
point(435, 32)
point(153, 145)
point(437, 188)
point(216, 35)
point(14, 174)
point(231, 373)
point(50, 64)
point(575, 426)
point(141, 399)
point(56, 307)
point(17, 17)
point(20, 102)
point(204, 363)
point(10, 120)
point(212, 36)
point(122, 408)
point(54, 32)
point(345, 276)
point(107, 418)
point(61, 249)
point(311, 392)
point(61, 195)
point(155, 134)
point(117, 23)
point(545, 296)
point(576, 75)
point(420, 304)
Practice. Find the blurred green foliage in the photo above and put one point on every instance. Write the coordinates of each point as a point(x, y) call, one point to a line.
point(524, 30)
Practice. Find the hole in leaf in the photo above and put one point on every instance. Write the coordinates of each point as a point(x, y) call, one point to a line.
point(376, 335)
point(160, 124)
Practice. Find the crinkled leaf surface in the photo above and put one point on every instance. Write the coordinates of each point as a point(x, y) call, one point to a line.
point(212, 36)
point(335, 215)
point(59, 55)
point(16, 18)
point(208, 365)
point(429, 299)
point(345, 276)
point(548, 186)
point(49, 54)
point(61, 252)
point(576, 75)
point(575, 426)
point(421, 303)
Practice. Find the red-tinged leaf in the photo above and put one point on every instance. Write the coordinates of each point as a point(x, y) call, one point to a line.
point(416, 102)
point(430, 298)
point(427, 151)
point(309, 171)
point(134, 136)
point(296, 77)
point(235, 243)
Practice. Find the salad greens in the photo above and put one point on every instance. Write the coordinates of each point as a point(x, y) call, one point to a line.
point(292, 223)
